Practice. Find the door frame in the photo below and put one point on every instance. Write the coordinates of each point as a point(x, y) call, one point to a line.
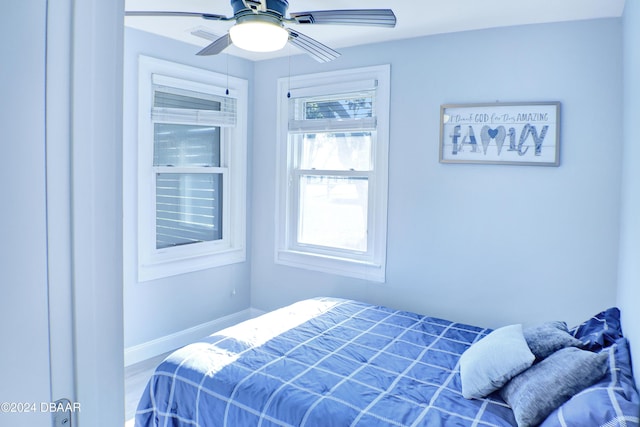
point(84, 197)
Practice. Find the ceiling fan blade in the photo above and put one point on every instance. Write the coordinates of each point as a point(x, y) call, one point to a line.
point(314, 48)
point(372, 17)
point(209, 16)
point(217, 46)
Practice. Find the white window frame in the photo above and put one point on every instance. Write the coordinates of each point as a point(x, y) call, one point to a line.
point(369, 266)
point(158, 263)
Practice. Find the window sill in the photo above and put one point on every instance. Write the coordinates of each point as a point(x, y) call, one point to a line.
point(365, 270)
point(158, 270)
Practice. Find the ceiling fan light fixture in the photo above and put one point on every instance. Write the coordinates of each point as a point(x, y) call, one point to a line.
point(258, 35)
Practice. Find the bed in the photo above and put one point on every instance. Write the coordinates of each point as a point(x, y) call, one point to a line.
point(337, 362)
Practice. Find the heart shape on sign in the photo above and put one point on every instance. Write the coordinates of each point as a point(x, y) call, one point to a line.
point(487, 135)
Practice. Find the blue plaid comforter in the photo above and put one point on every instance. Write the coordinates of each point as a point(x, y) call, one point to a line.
point(322, 362)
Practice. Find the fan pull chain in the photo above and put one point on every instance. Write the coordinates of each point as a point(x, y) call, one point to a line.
point(289, 77)
point(227, 60)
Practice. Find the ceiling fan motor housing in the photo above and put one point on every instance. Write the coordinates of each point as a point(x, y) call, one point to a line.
point(278, 7)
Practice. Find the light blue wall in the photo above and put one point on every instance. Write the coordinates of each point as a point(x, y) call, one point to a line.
point(157, 308)
point(477, 243)
point(629, 279)
point(23, 219)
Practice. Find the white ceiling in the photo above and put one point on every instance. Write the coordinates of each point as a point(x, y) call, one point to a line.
point(414, 18)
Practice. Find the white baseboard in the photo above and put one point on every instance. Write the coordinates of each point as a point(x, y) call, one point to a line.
point(254, 312)
point(158, 346)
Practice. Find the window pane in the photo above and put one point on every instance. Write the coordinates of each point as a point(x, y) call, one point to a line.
point(336, 151)
point(355, 107)
point(333, 212)
point(186, 145)
point(188, 208)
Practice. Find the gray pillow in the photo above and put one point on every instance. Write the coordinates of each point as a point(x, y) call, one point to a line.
point(536, 392)
point(489, 363)
point(547, 338)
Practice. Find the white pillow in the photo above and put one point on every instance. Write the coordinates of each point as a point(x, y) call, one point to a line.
point(491, 362)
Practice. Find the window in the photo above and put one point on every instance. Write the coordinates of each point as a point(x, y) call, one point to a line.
point(191, 169)
point(332, 172)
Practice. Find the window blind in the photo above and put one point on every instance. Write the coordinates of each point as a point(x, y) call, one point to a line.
point(176, 105)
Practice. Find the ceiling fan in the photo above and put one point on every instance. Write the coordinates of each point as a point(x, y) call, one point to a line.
point(259, 26)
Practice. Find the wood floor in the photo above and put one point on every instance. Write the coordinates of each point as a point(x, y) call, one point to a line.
point(135, 380)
